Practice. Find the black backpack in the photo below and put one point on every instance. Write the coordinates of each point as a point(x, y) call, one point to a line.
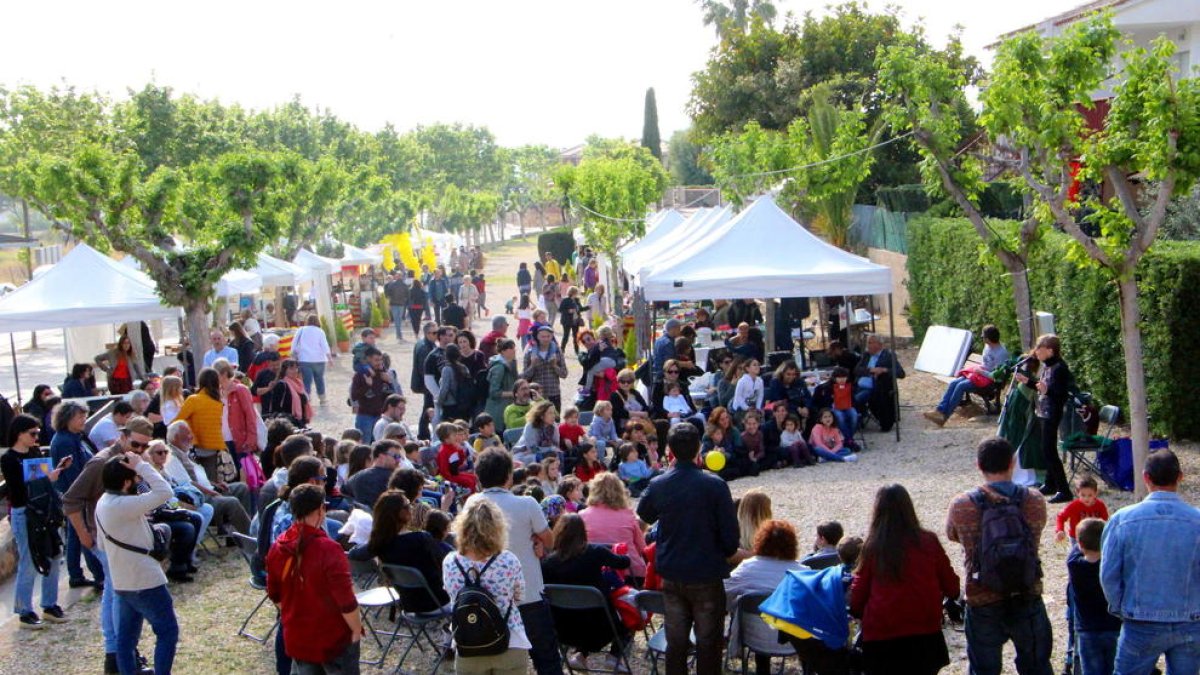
point(480, 629)
point(1006, 559)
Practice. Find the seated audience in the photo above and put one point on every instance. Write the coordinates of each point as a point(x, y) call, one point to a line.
point(773, 549)
point(394, 542)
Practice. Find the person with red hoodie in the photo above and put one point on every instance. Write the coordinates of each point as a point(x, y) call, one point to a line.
point(308, 579)
point(452, 457)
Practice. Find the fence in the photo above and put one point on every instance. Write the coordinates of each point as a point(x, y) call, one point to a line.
point(878, 227)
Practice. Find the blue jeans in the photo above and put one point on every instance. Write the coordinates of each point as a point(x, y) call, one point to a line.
point(108, 601)
point(1023, 621)
point(153, 605)
point(954, 395)
point(847, 421)
point(345, 663)
point(839, 456)
point(397, 312)
point(27, 573)
point(1141, 642)
point(366, 424)
point(539, 627)
point(313, 371)
point(75, 551)
point(1096, 651)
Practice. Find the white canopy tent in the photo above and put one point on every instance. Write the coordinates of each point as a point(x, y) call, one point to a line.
point(763, 253)
point(321, 268)
point(239, 282)
point(633, 255)
point(667, 217)
point(353, 256)
point(686, 242)
point(277, 272)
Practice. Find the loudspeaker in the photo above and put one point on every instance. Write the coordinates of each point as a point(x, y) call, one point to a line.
point(793, 311)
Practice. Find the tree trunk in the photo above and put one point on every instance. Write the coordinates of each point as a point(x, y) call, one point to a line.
point(1135, 376)
point(521, 224)
point(196, 317)
point(541, 209)
point(1023, 300)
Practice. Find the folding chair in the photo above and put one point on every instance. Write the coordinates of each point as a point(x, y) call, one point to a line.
point(582, 598)
point(747, 621)
point(375, 599)
point(1084, 451)
point(364, 573)
point(408, 583)
point(511, 436)
point(654, 603)
point(248, 547)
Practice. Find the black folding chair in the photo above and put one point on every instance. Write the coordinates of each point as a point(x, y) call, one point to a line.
point(408, 582)
point(248, 547)
point(582, 598)
point(1083, 452)
point(746, 618)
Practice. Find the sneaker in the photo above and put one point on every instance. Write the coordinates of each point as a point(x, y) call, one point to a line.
point(54, 614)
point(578, 661)
point(81, 583)
point(851, 457)
point(936, 417)
point(110, 664)
point(31, 621)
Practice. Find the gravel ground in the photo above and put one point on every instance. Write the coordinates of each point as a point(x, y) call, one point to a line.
point(933, 463)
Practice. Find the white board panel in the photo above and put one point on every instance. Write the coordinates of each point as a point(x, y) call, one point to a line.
point(944, 350)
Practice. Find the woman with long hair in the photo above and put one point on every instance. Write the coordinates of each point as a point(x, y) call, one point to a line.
point(455, 402)
point(288, 397)
point(481, 535)
point(392, 542)
point(170, 398)
point(902, 576)
point(540, 436)
point(246, 348)
point(754, 509)
point(574, 561)
point(570, 314)
point(627, 402)
point(122, 366)
point(203, 411)
point(80, 383)
point(39, 405)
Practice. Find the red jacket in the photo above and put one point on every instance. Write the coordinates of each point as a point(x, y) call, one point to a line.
point(313, 597)
point(910, 606)
point(243, 418)
point(1075, 512)
point(586, 473)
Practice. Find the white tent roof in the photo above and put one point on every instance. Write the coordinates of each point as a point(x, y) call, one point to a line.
point(664, 229)
point(689, 238)
point(85, 288)
point(316, 263)
point(353, 256)
point(239, 282)
point(276, 272)
point(669, 217)
point(763, 253)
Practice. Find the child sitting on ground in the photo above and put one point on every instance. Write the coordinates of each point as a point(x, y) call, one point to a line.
point(486, 436)
point(551, 475)
point(633, 470)
point(826, 440)
point(754, 452)
point(589, 465)
point(1096, 630)
point(653, 458)
point(569, 431)
point(604, 429)
point(571, 489)
point(534, 473)
point(452, 457)
point(792, 445)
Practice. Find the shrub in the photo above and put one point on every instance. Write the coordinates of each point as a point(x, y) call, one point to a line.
point(954, 281)
point(560, 243)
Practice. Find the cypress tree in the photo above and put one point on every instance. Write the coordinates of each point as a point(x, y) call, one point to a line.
point(650, 136)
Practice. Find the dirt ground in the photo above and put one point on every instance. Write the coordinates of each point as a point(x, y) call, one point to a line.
point(933, 463)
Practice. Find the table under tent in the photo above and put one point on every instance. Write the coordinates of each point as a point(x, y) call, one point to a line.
point(760, 252)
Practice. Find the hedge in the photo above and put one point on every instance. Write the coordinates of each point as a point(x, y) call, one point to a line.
point(954, 281)
point(559, 242)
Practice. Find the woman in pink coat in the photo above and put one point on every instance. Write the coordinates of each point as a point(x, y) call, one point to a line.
point(610, 520)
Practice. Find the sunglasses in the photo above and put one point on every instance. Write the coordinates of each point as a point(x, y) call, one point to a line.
point(671, 372)
point(138, 444)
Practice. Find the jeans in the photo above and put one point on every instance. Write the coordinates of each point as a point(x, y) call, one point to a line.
point(108, 609)
point(345, 663)
point(954, 395)
point(75, 551)
point(1141, 642)
point(283, 662)
point(397, 312)
point(539, 627)
point(423, 430)
point(366, 424)
point(702, 605)
point(1096, 651)
point(27, 573)
point(1023, 621)
point(847, 421)
point(839, 456)
point(414, 315)
point(153, 605)
point(313, 371)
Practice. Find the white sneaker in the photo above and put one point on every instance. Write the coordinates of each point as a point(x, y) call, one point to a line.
point(851, 458)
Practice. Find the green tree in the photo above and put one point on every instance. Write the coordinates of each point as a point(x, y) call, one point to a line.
point(1151, 131)
point(651, 139)
point(684, 161)
point(737, 15)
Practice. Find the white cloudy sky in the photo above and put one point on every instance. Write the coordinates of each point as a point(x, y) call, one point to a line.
point(534, 71)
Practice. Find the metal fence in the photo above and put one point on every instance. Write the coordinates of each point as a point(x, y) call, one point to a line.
point(879, 228)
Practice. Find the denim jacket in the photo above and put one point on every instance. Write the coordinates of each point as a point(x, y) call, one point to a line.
point(1150, 560)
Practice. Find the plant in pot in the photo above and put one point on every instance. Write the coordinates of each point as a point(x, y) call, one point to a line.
point(377, 321)
point(385, 312)
point(343, 336)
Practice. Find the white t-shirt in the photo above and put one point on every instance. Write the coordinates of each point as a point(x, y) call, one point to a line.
point(525, 519)
point(358, 527)
point(251, 326)
point(677, 404)
point(309, 345)
point(104, 432)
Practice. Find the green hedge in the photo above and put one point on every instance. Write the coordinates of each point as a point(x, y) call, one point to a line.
point(560, 243)
point(954, 281)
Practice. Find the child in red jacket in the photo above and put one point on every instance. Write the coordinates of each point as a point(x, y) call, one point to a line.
point(1087, 504)
point(452, 457)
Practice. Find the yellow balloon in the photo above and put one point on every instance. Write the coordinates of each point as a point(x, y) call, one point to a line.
point(714, 460)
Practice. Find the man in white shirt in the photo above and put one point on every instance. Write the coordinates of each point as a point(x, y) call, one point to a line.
point(220, 350)
point(393, 414)
point(105, 431)
point(310, 348)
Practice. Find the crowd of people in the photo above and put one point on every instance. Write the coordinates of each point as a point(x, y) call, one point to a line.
point(504, 486)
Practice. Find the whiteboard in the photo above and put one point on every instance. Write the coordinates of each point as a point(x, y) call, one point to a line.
point(944, 351)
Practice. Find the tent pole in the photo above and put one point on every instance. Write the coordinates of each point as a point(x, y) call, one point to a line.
point(895, 382)
point(12, 347)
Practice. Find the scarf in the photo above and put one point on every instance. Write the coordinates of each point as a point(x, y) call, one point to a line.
point(298, 403)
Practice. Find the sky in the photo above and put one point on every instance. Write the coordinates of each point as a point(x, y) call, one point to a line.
point(532, 71)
